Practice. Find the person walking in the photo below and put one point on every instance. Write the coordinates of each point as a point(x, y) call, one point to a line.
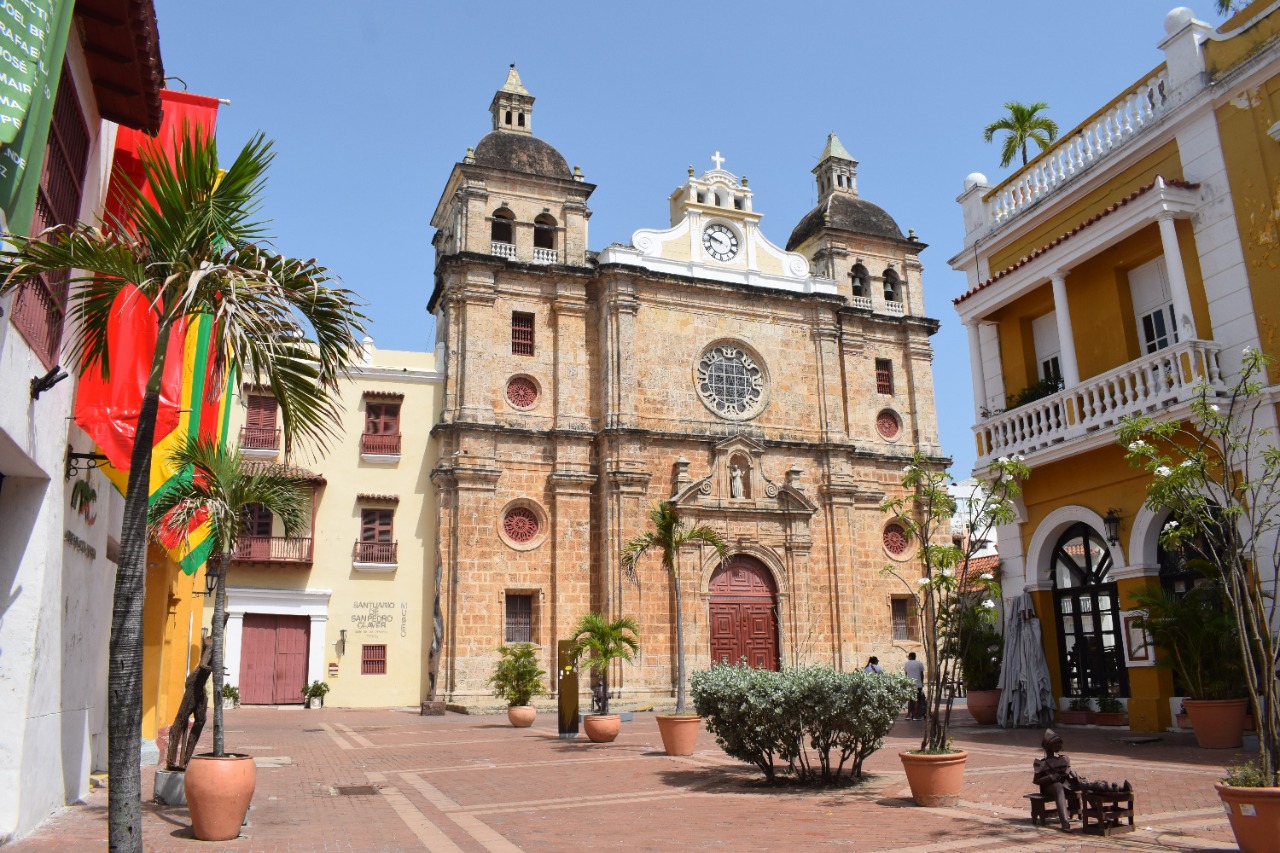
point(914, 670)
point(873, 665)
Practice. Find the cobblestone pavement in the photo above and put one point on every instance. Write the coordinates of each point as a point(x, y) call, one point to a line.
point(474, 783)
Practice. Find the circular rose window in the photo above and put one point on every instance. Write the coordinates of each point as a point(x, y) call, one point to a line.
point(730, 382)
point(887, 424)
point(522, 392)
point(520, 525)
point(895, 539)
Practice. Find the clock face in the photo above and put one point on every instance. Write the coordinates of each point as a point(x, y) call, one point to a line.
point(720, 242)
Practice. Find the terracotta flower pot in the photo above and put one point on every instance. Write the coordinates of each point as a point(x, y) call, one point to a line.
point(1183, 721)
point(1110, 718)
point(1075, 718)
point(1255, 817)
point(679, 732)
point(601, 728)
point(521, 716)
point(1218, 723)
point(218, 794)
point(935, 780)
point(983, 705)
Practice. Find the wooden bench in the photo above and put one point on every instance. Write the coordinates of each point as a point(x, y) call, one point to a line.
point(1104, 811)
point(1044, 809)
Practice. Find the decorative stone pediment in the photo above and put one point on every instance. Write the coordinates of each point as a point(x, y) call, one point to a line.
point(737, 482)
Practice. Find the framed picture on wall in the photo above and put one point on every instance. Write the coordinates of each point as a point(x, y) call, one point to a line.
point(1137, 642)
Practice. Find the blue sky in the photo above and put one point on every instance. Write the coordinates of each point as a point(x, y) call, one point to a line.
point(371, 104)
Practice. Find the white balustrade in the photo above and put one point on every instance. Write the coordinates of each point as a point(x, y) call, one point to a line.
point(895, 308)
point(503, 250)
point(1146, 384)
point(862, 302)
point(545, 256)
point(1126, 116)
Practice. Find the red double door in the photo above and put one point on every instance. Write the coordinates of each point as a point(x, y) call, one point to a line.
point(273, 659)
point(744, 614)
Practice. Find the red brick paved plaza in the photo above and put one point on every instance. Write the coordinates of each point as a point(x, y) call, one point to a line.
point(473, 783)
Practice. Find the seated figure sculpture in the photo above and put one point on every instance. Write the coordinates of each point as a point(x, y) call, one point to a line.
point(1055, 777)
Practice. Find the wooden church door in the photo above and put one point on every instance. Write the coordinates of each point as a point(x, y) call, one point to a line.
point(743, 619)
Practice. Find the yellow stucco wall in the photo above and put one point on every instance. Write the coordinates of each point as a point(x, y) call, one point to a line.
point(172, 620)
point(1253, 171)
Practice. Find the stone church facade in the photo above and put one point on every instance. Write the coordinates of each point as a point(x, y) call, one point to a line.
point(771, 393)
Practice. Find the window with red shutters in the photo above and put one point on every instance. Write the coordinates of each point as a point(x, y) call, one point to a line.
point(40, 306)
point(884, 376)
point(375, 525)
point(259, 432)
point(373, 660)
point(521, 333)
point(382, 418)
point(257, 520)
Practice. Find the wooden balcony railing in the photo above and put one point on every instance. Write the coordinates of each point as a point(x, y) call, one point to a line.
point(380, 445)
point(259, 438)
point(383, 553)
point(273, 549)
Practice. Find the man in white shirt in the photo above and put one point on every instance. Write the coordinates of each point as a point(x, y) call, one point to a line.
point(914, 670)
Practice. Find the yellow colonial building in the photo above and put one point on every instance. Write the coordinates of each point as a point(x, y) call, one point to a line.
point(351, 602)
point(1107, 277)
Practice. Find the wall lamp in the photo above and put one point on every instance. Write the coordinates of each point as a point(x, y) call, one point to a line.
point(40, 384)
point(1112, 522)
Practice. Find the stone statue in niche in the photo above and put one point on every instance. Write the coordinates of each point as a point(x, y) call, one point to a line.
point(735, 482)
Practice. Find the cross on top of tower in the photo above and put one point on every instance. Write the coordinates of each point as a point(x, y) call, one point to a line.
point(717, 159)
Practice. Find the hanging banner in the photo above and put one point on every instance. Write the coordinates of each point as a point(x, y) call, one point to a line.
point(33, 39)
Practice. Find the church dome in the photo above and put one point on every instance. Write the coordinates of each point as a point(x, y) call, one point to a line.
point(521, 152)
point(845, 213)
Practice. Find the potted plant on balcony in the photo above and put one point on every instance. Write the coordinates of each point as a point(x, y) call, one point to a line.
point(314, 694)
point(1196, 634)
point(679, 731)
point(1079, 712)
point(1219, 473)
point(517, 678)
point(935, 771)
point(211, 503)
point(602, 641)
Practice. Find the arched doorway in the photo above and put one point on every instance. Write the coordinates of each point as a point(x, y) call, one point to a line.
point(744, 614)
point(1090, 650)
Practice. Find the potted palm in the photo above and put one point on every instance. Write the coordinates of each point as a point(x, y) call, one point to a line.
point(517, 678)
point(314, 693)
point(679, 730)
point(185, 246)
point(938, 580)
point(1197, 638)
point(230, 697)
point(602, 641)
point(980, 646)
point(220, 490)
point(1219, 473)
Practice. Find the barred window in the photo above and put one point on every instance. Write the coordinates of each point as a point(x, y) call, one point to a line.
point(41, 303)
point(906, 624)
point(884, 376)
point(519, 618)
point(373, 660)
point(521, 333)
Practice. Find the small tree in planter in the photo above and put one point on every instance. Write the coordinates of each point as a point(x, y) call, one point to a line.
point(669, 535)
point(944, 578)
point(602, 641)
point(314, 693)
point(1219, 473)
point(979, 646)
point(516, 679)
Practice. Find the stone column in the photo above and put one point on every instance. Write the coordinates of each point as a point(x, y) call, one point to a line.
point(476, 323)
point(1177, 278)
point(1066, 337)
point(975, 370)
point(830, 383)
point(571, 366)
point(570, 546)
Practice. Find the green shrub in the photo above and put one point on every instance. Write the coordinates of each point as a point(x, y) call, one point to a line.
point(1080, 705)
point(517, 678)
point(1110, 705)
point(1246, 775)
point(774, 719)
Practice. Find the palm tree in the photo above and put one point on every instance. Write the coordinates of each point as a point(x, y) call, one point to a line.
point(606, 640)
point(188, 249)
point(668, 537)
point(1023, 124)
point(221, 491)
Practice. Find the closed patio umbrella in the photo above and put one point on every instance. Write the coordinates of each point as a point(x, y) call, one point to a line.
point(1026, 697)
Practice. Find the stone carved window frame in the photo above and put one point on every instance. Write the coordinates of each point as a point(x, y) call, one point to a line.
point(544, 524)
point(754, 354)
point(908, 554)
point(538, 391)
point(897, 416)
